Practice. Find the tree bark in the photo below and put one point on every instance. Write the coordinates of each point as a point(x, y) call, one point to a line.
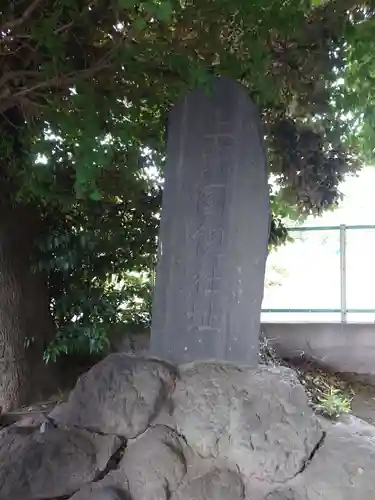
point(26, 324)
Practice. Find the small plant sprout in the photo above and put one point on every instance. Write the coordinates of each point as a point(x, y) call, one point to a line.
point(333, 402)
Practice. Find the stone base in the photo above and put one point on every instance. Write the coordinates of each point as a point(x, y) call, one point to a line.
point(140, 429)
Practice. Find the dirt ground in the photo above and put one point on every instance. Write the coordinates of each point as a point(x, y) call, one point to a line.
point(363, 405)
point(317, 380)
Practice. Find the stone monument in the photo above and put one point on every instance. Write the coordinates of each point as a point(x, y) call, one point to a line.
point(214, 230)
point(135, 428)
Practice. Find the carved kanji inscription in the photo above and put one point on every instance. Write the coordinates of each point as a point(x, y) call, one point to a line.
point(214, 230)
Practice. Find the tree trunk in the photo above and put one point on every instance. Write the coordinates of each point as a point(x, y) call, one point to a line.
point(26, 324)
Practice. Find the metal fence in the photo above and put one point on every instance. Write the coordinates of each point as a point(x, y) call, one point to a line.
point(343, 310)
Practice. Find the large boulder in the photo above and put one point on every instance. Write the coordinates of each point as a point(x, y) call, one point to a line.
point(113, 486)
point(54, 463)
point(342, 468)
point(120, 395)
point(258, 420)
point(154, 464)
point(95, 492)
point(208, 431)
point(102, 490)
point(218, 484)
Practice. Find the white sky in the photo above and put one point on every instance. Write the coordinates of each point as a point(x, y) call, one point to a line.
point(358, 206)
point(306, 273)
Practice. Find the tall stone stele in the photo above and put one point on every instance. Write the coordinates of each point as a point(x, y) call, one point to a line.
point(214, 230)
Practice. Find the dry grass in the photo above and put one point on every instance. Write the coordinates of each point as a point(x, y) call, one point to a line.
point(326, 391)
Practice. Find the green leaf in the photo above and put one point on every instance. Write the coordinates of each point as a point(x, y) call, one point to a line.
point(127, 4)
point(95, 195)
point(140, 23)
point(161, 9)
point(319, 3)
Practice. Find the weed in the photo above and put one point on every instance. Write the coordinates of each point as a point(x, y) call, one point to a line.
point(333, 403)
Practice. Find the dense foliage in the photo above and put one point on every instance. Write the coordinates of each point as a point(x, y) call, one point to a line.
point(86, 87)
point(88, 259)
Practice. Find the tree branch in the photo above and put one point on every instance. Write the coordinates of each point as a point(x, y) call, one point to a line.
point(22, 19)
point(65, 28)
point(56, 82)
point(11, 75)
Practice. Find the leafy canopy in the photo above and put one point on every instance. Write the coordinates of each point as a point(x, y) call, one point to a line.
point(97, 78)
point(85, 90)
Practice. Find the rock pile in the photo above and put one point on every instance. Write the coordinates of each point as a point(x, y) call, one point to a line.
point(140, 429)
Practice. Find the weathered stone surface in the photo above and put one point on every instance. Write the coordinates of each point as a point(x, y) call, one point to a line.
point(120, 395)
point(218, 484)
point(57, 462)
point(114, 483)
point(235, 433)
point(214, 230)
point(356, 425)
point(341, 469)
point(257, 419)
point(98, 492)
point(154, 464)
point(133, 344)
point(32, 419)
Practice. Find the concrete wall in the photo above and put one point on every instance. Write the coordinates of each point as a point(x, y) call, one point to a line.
point(345, 348)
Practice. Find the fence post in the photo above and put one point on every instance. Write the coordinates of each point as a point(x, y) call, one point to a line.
point(343, 305)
